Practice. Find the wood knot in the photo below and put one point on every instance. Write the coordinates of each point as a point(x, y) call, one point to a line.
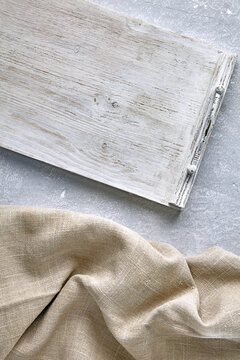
point(76, 49)
point(115, 104)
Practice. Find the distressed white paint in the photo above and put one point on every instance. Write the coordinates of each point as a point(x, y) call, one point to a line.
point(107, 96)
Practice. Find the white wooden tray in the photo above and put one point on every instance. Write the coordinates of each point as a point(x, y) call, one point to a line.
point(107, 96)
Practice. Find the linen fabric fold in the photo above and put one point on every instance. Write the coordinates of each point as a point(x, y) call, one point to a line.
point(76, 286)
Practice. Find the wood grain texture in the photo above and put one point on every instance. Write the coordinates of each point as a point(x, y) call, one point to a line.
point(107, 96)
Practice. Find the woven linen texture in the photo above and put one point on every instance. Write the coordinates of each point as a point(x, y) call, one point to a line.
point(75, 286)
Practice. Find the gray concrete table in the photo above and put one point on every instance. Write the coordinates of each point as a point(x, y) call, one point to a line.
point(212, 215)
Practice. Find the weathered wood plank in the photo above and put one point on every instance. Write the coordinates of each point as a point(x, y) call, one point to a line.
point(107, 96)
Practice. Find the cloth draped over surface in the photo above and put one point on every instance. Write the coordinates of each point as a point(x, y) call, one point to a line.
point(76, 286)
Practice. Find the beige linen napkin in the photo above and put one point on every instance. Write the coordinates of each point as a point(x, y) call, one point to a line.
point(76, 287)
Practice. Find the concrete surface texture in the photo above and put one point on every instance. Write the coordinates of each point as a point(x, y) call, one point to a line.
point(212, 215)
